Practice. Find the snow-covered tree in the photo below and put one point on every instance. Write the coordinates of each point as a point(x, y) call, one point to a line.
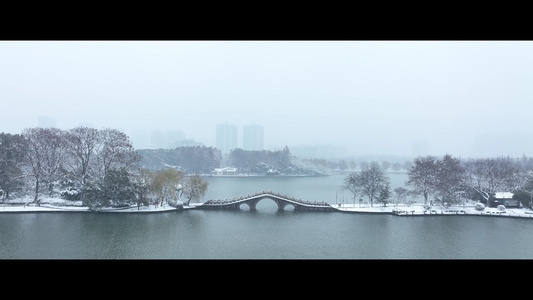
point(369, 182)
point(115, 151)
point(352, 184)
point(450, 180)
point(54, 150)
point(82, 144)
point(384, 194)
point(490, 175)
point(422, 176)
point(443, 178)
point(115, 189)
point(401, 194)
point(11, 161)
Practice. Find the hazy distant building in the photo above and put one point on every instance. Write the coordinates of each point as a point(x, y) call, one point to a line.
point(174, 136)
point(166, 139)
point(226, 137)
point(253, 137)
point(46, 122)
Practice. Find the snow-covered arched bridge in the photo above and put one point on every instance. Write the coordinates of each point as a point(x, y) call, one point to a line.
point(252, 200)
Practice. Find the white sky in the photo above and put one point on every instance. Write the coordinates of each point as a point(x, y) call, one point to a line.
point(466, 98)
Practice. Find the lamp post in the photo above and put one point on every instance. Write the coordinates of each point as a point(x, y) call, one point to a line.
point(178, 188)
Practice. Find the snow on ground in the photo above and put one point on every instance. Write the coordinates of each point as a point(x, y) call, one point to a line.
point(417, 209)
point(61, 205)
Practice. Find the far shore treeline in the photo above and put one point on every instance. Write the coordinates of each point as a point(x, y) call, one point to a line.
point(101, 168)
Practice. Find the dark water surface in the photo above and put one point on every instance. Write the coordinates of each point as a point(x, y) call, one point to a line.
point(263, 234)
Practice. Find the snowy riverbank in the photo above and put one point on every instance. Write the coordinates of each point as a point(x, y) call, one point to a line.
point(419, 210)
point(61, 205)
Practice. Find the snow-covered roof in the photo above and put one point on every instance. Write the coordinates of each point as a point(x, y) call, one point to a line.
point(503, 195)
point(228, 169)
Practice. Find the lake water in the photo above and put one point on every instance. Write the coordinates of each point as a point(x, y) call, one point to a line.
point(265, 233)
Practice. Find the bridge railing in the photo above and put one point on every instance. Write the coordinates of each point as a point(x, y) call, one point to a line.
point(263, 194)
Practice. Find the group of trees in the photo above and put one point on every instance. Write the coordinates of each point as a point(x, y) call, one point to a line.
point(449, 180)
point(268, 162)
point(52, 159)
point(371, 182)
point(190, 159)
point(443, 178)
point(344, 164)
point(99, 167)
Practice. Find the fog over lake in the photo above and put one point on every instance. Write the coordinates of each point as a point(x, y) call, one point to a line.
point(466, 98)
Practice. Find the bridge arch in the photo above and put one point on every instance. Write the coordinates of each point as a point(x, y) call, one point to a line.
point(244, 206)
point(282, 202)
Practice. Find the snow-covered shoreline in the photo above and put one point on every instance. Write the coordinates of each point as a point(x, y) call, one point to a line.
point(61, 205)
point(417, 209)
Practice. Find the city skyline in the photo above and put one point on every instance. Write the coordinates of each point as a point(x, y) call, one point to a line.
point(466, 98)
point(172, 138)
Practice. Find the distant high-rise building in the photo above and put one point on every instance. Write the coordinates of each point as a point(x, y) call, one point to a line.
point(253, 137)
point(226, 137)
point(166, 139)
point(46, 122)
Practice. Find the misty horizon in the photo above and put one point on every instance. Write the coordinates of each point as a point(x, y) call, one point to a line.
point(465, 98)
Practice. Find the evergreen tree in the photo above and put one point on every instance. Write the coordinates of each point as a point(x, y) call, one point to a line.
point(115, 189)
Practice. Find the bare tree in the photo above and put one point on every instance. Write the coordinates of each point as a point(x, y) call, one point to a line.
point(54, 152)
point(116, 151)
point(352, 184)
point(450, 180)
point(12, 150)
point(401, 194)
point(35, 154)
point(422, 176)
point(83, 144)
point(372, 180)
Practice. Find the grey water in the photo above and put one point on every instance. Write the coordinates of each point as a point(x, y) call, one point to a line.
point(265, 233)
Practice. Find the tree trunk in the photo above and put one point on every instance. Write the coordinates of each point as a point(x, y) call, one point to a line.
point(36, 189)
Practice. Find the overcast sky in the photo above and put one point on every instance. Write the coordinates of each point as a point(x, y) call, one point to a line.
point(465, 98)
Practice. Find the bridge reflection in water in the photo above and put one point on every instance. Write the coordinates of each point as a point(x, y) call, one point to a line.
point(252, 200)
